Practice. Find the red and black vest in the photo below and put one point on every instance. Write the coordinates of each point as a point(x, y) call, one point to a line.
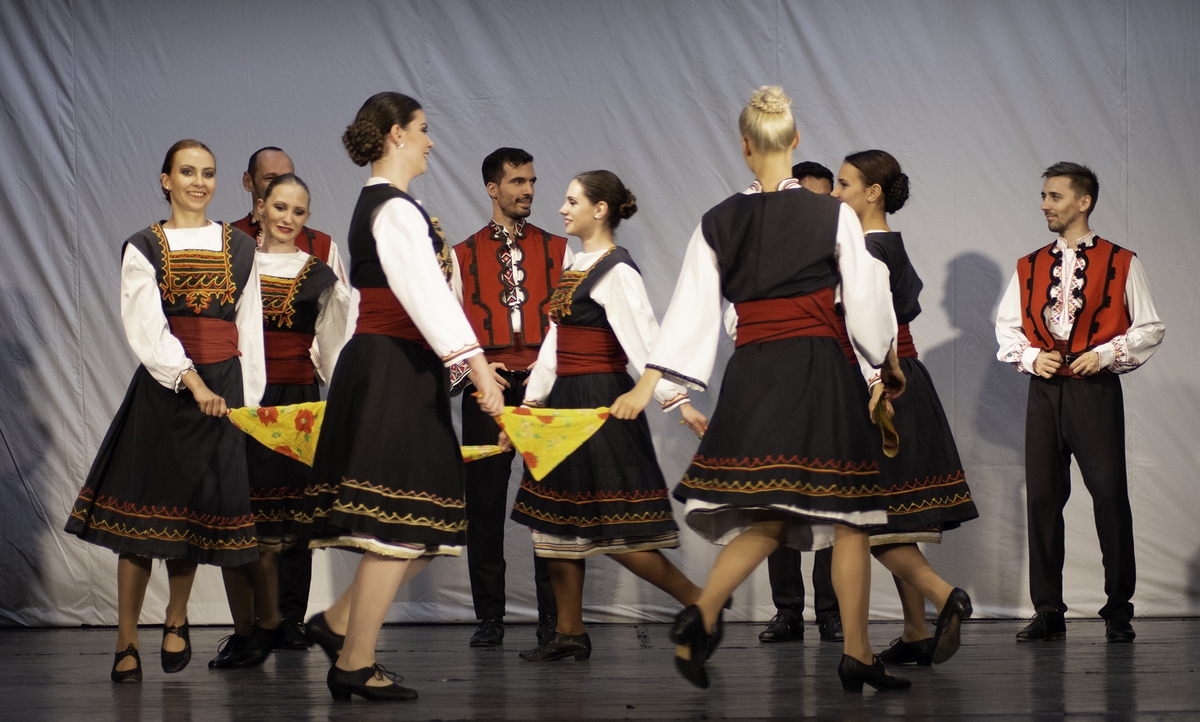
point(479, 261)
point(1100, 317)
point(314, 243)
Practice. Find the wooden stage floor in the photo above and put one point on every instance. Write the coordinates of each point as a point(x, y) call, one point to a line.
point(62, 674)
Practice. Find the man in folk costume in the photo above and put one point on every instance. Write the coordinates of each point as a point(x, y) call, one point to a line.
point(1076, 314)
point(295, 562)
point(504, 274)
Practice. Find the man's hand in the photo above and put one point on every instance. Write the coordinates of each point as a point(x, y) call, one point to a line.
point(891, 377)
point(693, 419)
point(1048, 362)
point(1086, 364)
point(500, 380)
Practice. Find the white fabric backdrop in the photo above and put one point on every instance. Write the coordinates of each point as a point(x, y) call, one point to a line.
point(974, 99)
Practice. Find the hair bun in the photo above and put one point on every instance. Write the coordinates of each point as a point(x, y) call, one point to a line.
point(628, 206)
point(770, 99)
point(897, 194)
point(363, 142)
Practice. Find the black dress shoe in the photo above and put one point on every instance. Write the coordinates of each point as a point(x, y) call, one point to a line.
point(227, 649)
point(949, 624)
point(783, 627)
point(292, 635)
point(546, 625)
point(1044, 627)
point(1118, 629)
point(830, 627)
point(245, 651)
point(489, 633)
point(175, 661)
point(919, 653)
point(342, 684)
point(691, 646)
point(854, 674)
point(560, 646)
point(318, 631)
point(129, 675)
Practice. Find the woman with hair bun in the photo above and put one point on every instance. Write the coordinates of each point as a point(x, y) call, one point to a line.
point(387, 480)
point(609, 496)
point(787, 458)
point(170, 481)
point(925, 484)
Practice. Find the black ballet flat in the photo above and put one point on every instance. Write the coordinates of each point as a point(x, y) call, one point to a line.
point(173, 662)
point(691, 645)
point(949, 622)
point(343, 684)
point(129, 675)
point(919, 653)
point(318, 631)
point(854, 674)
point(560, 646)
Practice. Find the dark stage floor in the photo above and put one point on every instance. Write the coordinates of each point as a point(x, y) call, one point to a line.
point(62, 674)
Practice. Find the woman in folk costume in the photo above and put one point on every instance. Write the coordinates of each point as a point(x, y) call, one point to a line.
point(609, 496)
point(303, 301)
point(787, 458)
point(170, 480)
point(388, 478)
point(926, 487)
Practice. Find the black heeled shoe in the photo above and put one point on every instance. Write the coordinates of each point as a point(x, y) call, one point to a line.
point(854, 673)
point(129, 675)
point(949, 622)
point(901, 652)
point(342, 684)
point(560, 646)
point(318, 631)
point(691, 645)
point(173, 662)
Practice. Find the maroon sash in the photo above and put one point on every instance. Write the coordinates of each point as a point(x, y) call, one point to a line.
point(205, 340)
point(288, 360)
point(588, 350)
point(380, 312)
point(772, 319)
point(905, 348)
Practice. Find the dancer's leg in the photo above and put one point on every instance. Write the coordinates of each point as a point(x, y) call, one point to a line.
point(180, 575)
point(655, 568)
point(239, 591)
point(375, 585)
point(264, 574)
point(133, 574)
point(913, 604)
point(852, 582)
point(566, 575)
point(736, 561)
point(908, 564)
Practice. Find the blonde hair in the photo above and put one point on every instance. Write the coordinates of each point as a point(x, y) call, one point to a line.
point(767, 120)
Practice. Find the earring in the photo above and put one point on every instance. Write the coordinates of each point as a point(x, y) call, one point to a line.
point(401, 145)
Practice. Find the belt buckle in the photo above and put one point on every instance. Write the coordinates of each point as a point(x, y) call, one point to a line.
point(1069, 358)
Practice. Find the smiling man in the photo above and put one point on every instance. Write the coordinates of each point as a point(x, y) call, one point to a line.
point(504, 275)
point(1076, 314)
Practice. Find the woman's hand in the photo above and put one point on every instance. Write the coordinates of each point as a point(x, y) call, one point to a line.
point(892, 376)
point(504, 442)
point(876, 397)
point(629, 405)
point(210, 404)
point(693, 419)
point(491, 397)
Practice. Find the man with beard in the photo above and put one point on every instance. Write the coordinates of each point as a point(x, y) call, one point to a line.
point(1076, 314)
point(504, 275)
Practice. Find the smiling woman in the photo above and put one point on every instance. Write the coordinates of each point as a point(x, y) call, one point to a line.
point(169, 481)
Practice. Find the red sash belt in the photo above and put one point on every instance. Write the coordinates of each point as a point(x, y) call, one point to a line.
point(517, 357)
point(905, 348)
point(380, 312)
point(288, 360)
point(1063, 349)
point(772, 319)
point(205, 340)
point(586, 350)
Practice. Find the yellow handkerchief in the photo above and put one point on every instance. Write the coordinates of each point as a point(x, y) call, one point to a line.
point(544, 437)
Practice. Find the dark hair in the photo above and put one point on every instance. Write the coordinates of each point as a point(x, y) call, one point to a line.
point(364, 137)
point(169, 161)
point(604, 185)
point(279, 180)
point(1083, 181)
point(493, 165)
point(252, 166)
point(879, 167)
point(811, 169)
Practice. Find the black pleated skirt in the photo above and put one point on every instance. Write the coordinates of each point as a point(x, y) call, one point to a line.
point(168, 481)
point(925, 484)
point(790, 435)
point(388, 473)
point(277, 482)
point(609, 496)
